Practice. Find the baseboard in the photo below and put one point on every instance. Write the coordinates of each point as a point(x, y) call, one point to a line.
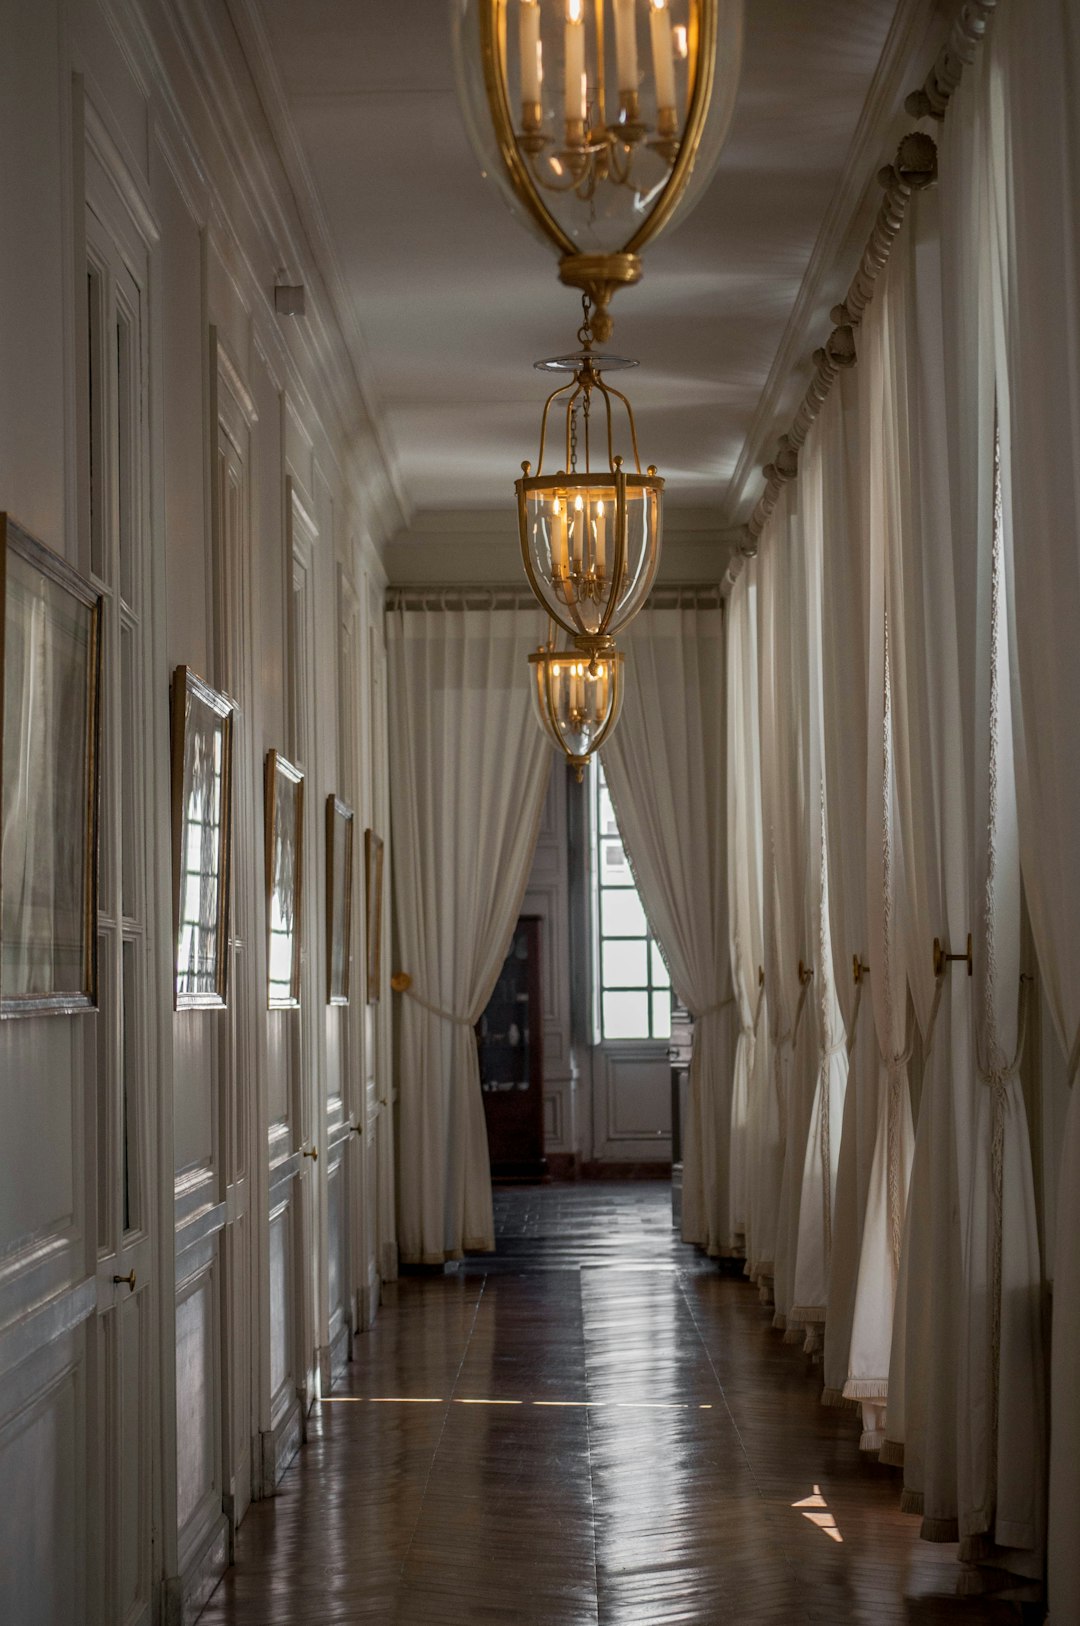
point(279, 1446)
point(563, 1166)
point(203, 1572)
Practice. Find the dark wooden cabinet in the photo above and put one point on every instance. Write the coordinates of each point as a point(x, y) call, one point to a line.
point(509, 1039)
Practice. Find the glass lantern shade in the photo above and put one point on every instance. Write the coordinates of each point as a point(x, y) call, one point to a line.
point(591, 547)
point(600, 121)
point(577, 701)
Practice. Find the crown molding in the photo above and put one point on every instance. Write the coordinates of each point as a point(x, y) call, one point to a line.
point(255, 43)
point(913, 38)
point(179, 54)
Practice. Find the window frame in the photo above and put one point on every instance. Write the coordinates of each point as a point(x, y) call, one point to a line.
point(597, 888)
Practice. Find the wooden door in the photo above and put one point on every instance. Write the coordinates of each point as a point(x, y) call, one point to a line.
point(510, 1040)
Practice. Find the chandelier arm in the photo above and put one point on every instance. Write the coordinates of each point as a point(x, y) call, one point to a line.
point(696, 115)
point(630, 415)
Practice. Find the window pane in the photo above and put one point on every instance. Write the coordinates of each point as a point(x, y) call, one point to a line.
point(626, 1016)
point(625, 964)
point(614, 866)
point(660, 977)
point(622, 915)
point(661, 1015)
point(606, 815)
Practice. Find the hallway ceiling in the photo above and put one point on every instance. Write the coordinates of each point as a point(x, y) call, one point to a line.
point(447, 301)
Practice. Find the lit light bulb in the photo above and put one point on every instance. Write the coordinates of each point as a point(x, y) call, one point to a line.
point(574, 10)
point(578, 504)
point(682, 49)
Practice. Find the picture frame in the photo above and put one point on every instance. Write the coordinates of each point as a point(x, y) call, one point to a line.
point(284, 880)
point(50, 750)
point(373, 885)
point(339, 888)
point(202, 752)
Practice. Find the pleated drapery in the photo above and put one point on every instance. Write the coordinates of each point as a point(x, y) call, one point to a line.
point(468, 772)
point(828, 1064)
point(666, 772)
point(784, 861)
point(884, 355)
point(744, 894)
point(845, 622)
point(1037, 58)
point(921, 1421)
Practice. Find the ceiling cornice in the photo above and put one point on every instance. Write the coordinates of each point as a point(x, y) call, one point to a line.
point(903, 58)
point(258, 52)
point(316, 350)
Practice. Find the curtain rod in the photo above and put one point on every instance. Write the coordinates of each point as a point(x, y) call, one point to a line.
point(914, 167)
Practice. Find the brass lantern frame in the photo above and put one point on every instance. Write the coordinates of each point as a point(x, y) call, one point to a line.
point(598, 640)
point(543, 660)
point(599, 275)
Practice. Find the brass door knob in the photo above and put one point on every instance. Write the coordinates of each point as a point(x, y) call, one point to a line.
point(312, 1152)
point(129, 1278)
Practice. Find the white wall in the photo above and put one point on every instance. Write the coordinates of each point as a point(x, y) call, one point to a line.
point(170, 1404)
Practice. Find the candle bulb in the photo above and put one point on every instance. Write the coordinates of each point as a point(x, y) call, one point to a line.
point(574, 86)
point(601, 692)
point(579, 539)
point(529, 43)
point(626, 45)
point(600, 551)
point(663, 60)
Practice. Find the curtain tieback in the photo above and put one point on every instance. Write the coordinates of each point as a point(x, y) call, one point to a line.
point(699, 1016)
point(401, 983)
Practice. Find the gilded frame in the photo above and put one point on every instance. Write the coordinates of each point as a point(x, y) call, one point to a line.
point(340, 820)
point(205, 988)
point(284, 880)
point(83, 632)
point(373, 887)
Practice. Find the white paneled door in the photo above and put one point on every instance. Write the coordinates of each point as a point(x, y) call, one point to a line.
point(119, 1041)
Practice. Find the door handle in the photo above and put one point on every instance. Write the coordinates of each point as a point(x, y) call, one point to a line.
point(129, 1278)
point(312, 1152)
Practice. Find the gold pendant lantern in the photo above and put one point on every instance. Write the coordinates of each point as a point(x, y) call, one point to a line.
point(577, 701)
point(590, 537)
point(600, 121)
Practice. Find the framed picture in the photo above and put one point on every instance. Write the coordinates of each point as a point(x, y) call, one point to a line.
point(50, 689)
point(284, 878)
point(202, 736)
point(339, 877)
point(373, 875)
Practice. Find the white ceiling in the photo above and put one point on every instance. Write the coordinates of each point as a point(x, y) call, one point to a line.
point(448, 301)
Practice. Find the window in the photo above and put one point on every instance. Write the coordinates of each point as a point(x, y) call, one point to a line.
point(632, 981)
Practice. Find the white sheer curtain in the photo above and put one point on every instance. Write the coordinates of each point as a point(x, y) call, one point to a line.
point(883, 353)
point(930, 752)
point(845, 623)
point(826, 1036)
point(468, 772)
point(665, 767)
point(1000, 1411)
point(764, 1148)
point(744, 889)
point(784, 876)
point(1037, 50)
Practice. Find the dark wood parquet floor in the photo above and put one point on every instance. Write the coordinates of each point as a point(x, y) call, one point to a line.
point(595, 1427)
